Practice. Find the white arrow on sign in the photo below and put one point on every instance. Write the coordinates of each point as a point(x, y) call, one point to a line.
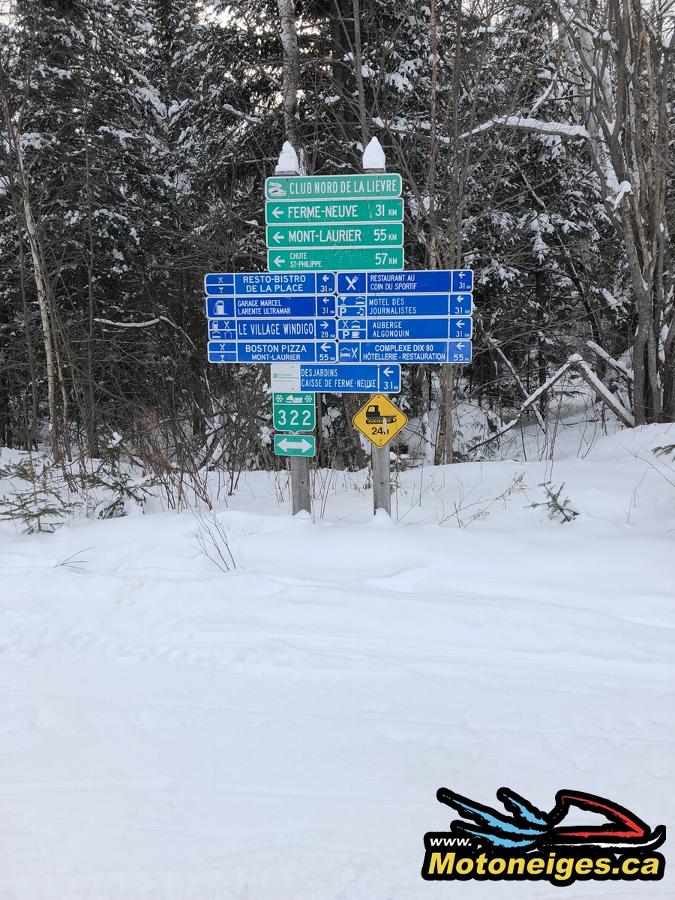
point(278, 238)
point(326, 347)
point(460, 323)
point(388, 372)
point(461, 345)
point(302, 445)
point(276, 212)
point(279, 261)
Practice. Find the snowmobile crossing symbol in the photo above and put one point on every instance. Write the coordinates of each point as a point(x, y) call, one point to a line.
point(379, 420)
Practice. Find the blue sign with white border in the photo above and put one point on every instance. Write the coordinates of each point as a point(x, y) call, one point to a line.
point(278, 306)
point(246, 284)
point(422, 281)
point(351, 379)
point(411, 352)
point(383, 305)
point(379, 317)
point(269, 352)
point(404, 329)
point(272, 329)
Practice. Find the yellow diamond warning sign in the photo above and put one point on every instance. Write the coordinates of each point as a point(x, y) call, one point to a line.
point(379, 420)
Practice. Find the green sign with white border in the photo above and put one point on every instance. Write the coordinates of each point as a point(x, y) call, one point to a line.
point(295, 445)
point(339, 235)
point(326, 212)
point(332, 187)
point(337, 259)
point(294, 412)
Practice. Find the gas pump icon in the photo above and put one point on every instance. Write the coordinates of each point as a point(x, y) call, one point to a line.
point(219, 309)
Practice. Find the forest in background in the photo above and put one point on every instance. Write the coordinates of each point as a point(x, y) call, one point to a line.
point(535, 143)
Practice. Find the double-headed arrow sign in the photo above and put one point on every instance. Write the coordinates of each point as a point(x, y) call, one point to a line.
point(303, 445)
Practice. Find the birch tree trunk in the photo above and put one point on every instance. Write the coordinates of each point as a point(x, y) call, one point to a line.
point(358, 69)
point(291, 78)
point(624, 73)
point(42, 284)
point(618, 58)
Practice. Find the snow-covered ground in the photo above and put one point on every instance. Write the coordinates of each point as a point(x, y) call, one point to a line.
point(279, 732)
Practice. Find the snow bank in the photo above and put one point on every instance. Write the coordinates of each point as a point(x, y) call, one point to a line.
point(170, 731)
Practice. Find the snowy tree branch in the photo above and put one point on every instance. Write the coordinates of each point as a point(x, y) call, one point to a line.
point(526, 405)
point(146, 324)
point(614, 363)
point(601, 390)
point(528, 123)
point(509, 365)
point(253, 120)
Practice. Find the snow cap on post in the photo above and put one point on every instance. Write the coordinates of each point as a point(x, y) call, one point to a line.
point(288, 161)
point(373, 157)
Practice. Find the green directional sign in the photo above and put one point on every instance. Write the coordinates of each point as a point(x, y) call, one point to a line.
point(338, 259)
point(294, 412)
point(333, 187)
point(325, 212)
point(294, 445)
point(343, 235)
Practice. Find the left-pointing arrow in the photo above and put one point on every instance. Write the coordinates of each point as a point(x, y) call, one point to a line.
point(279, 261)
point(276, 212)
point(277, 238)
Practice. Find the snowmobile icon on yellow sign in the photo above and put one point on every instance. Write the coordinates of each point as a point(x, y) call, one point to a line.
point(379, 420)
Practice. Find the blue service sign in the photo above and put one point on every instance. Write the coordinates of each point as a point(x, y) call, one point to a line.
point(404, 329)
point(351, 379)
point(219, 306)
point(268, 283)
point(300, 307)
point(460, 352)
point(422, 281)
point(222, 352)
point(379, 317)
point(272, 329)
point(271, 352)
point(382, 305)
point(411, 352)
